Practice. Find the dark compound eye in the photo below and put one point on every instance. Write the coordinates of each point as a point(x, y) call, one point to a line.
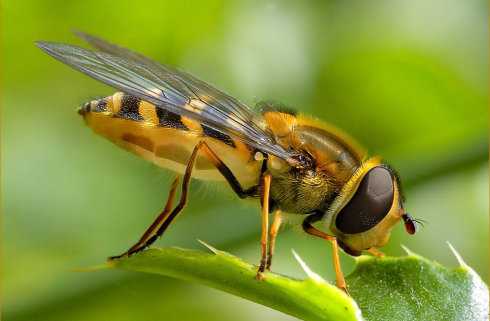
point(370, 204)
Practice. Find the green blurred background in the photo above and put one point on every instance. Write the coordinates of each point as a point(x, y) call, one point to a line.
point(408, 79)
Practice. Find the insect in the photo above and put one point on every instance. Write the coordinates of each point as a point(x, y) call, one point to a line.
point(291, 163)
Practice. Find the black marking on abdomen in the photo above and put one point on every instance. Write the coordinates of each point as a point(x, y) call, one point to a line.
point(169, 119)
point(129, 108)
point(208, 131)
point(101, 106)
point(84, 109)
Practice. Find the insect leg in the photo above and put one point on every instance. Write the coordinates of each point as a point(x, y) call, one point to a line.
point(227, 173)
point(276, 223)
point(153, 227)
point(183, 197)
point(168, 218)
point(374, 251)
point(308, 228)
point(266, 184)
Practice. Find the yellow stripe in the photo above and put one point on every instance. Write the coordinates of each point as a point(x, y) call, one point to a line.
point(242, 149)
point(116, 102)
point(93, 104)
point(109, 105)
point(191, 124)
point(148, 112)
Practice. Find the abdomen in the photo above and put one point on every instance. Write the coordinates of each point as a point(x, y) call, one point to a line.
point(167, 139)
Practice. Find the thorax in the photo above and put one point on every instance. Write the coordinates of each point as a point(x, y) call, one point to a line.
point(332, 159)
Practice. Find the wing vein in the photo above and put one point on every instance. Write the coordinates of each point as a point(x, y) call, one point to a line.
point(168, 89)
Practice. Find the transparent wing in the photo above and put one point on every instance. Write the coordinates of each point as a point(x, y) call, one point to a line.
point(167, 88)
point(186, 83)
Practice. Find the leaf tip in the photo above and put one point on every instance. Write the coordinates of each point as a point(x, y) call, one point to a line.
point(94, 268)
point(457, 255)
point(209, 247)
point(312, 275)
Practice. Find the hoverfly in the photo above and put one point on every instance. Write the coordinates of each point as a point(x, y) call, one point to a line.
point(290, 162)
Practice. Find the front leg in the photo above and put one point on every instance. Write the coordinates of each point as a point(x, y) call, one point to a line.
point(308, 228)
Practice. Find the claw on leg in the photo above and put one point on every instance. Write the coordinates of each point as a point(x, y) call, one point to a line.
point(149, 233)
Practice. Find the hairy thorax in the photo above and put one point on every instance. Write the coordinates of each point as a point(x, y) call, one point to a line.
point(302, 191)
point(329, 162)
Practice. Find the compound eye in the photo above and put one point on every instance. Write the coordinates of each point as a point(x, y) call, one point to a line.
point(370, 204)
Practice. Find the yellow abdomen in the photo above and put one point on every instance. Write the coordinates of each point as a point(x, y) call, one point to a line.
point(167, 139)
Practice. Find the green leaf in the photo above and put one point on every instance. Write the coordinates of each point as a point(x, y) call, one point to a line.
point(310, 299)
point(414, 288)
point(406, 288)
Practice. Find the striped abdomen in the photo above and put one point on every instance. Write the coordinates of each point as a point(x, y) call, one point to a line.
point(167, 139)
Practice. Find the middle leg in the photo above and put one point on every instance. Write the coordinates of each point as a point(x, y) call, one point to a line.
point(276, 223)
point(266, 184)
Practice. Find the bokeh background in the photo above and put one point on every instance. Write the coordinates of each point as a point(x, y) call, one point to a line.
point(408, 79)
